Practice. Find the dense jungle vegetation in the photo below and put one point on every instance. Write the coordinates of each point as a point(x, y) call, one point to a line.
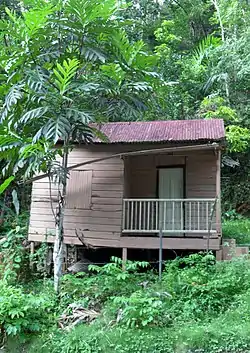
point(66, 63)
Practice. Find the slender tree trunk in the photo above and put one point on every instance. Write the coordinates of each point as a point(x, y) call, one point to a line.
point(58, 245)
point(217, 8)
point(215, 3)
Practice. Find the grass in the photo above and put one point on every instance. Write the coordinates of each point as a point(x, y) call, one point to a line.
point(238, 229)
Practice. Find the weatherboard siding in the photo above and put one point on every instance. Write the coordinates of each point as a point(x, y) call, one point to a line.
point(93, 202)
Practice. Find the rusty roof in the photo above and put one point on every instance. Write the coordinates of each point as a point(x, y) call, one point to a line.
point(163, 131)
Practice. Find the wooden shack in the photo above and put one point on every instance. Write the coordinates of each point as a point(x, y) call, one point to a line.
point(150, 177)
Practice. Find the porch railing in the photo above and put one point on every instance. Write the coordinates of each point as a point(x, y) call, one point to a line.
point(172, 216)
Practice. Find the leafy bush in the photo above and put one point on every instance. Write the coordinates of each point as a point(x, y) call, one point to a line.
point(200, 287)
point(199, 306)
point(22, 313)
point(141, 308)
point(111, 280)
point(238, 229)
point(14, 257)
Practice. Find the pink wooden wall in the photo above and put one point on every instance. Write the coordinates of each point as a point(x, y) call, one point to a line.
point(96, 191)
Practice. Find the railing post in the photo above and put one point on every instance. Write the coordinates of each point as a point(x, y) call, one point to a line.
point(132, 215)
point(182, 215)
point(156, 216)
point(123, 215)
point(198, 215)
point(148, 215)
point(190, 215)
point(160, 254)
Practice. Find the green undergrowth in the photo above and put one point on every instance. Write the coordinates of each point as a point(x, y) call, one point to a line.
point(199, 306)
point(238, 229)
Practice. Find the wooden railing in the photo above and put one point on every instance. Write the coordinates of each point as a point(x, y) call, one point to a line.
point(172, 216)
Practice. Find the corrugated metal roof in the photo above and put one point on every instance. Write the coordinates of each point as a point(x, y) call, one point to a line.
point(163, 131)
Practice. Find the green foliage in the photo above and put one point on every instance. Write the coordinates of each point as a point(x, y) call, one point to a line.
point(215, 107)
point(65, 73)
point(110, 280)
point(14, 257)
point(141, 309)
point(238, 138)
point(20, 312)
point(6, 183)
point(200, 306)
point(238, 229)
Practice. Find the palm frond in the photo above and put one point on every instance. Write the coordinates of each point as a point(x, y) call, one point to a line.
point(213, 79)
point(202, 50)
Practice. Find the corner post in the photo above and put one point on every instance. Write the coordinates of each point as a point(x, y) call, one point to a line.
point(218, 191)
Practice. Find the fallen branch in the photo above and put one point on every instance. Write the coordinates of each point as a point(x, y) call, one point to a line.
point(76, 314)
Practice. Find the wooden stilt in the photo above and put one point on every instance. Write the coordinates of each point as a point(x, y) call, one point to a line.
point(124, 258)
point(32, 251)
point(218, 255)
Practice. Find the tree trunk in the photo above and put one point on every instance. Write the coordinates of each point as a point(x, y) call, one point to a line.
point(58, 244)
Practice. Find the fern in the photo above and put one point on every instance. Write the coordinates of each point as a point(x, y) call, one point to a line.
point(87, 87)
point(37, 80)
point(64, 74)
point(130, 54)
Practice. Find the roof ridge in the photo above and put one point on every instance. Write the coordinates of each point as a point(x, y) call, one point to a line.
point(155, 121)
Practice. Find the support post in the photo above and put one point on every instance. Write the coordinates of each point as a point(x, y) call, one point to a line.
point(218, 192)
point(160, 255)
point(32, 251)
point(124, 258)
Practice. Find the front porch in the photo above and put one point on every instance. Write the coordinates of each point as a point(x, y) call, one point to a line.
point(177, 195)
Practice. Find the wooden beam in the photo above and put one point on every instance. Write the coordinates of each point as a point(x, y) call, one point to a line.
point(170, 243)
point(138, 242)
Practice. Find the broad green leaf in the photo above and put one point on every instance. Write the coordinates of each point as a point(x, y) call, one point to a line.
point(6, 183)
